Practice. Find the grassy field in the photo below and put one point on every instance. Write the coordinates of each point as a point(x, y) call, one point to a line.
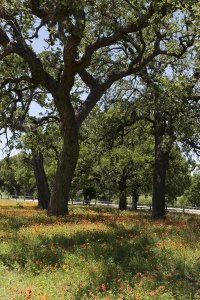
point(97, 253)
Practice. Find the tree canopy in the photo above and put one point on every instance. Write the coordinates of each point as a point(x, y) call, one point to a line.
point(88, 47)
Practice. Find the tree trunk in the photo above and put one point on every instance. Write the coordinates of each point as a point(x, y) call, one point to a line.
point(41, 181)
point(161, 160)
point(66, 166)
point(84, 194)
point(122, 197)
point(135, 198)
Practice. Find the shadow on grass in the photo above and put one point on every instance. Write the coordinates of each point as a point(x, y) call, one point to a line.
point(119, 252)
point(16, 217)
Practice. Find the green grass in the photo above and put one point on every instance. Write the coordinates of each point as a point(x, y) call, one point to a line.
point(97, 253)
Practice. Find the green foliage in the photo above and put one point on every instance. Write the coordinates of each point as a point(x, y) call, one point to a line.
point(114, 146)
point(193, 193)
point(111, 151)
point(178, 176)
point(17, 176)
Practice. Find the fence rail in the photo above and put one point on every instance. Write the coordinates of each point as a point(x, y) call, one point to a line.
point(18, 197)
point(95, 202)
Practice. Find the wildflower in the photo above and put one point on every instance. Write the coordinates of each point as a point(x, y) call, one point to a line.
point(29, 292)
point(161, 287)
point(103, 287)
point(152, 293)
point(138, 275)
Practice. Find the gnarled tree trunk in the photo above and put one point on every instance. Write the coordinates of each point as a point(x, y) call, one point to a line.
point(41, 180)
point(58, 205)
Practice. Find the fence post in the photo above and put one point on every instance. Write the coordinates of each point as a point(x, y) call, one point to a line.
point(150, 206)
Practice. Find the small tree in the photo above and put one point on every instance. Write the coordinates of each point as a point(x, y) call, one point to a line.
point(17, 177)
point(193, 193)
point(178, 178)
point(172, 109)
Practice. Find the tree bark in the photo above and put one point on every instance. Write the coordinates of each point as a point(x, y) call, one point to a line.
point(161, 161)
point(122, 192)
point(41, 181)
point(135, 198)
point(58, 205)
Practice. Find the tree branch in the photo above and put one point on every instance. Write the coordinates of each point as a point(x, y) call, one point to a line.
point(142, 22)
point(8, 80)
point(39, 75)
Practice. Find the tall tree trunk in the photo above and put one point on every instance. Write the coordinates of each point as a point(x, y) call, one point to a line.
point(122, 192)
point(58, 205)
point(85, 194)
point(161, 160)
point(41, 180)
point(135, 198)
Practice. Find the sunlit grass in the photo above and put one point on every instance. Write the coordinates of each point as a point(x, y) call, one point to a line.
point(97, 253)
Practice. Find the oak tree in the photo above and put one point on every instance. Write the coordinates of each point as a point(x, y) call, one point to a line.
point(100, 41)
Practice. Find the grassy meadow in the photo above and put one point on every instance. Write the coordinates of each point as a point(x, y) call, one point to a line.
point(97, 253)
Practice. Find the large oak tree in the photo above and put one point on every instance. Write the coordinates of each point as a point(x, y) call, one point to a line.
point(100, 41)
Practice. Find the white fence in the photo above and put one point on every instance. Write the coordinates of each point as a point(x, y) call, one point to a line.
point(94, 202)
point(17, 197)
